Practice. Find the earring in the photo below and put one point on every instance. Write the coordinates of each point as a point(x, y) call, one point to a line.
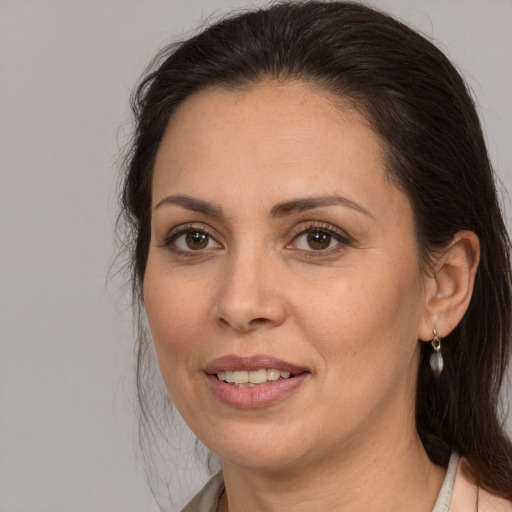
point(436, 359)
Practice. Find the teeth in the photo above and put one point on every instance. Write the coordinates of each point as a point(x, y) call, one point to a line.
point(249, 379)
point(273, 374)
point(258, 376)
point(241, 377)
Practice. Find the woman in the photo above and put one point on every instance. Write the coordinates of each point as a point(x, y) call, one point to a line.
point(323, 263)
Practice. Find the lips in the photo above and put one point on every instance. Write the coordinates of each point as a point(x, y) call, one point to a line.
point(257, 362)
point(252, 382)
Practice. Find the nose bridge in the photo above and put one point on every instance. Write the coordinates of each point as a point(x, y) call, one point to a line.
point(248, 297)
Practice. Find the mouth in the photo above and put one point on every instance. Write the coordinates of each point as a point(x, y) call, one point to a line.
point(244, 378)
point(252, 382)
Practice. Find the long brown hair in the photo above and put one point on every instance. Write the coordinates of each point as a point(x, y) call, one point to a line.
point(420, 106)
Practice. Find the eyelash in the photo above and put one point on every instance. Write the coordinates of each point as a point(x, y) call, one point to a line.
point(171, 239)
point(341, 238)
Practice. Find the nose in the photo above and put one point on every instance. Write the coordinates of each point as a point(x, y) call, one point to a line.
point(249, 297)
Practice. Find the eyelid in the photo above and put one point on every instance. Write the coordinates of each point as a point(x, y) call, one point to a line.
point(309, 226)
point(339, 235)
point(183, 229)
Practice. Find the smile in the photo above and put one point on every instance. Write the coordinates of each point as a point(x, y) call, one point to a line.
point(244, 378)
point(255, 381)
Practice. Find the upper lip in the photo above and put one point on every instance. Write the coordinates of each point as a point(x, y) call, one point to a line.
point(236, 363)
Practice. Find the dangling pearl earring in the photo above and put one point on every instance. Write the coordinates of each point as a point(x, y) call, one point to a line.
point(436, 359)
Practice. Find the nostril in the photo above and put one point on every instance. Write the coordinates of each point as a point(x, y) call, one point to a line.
point(258, 321)
point(254, 323)
point(223, 322)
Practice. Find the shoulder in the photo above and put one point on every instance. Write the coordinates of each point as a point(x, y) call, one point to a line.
point(207, 499)
point(468, 497)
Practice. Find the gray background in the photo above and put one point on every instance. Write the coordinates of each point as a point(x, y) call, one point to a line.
point(67, 423)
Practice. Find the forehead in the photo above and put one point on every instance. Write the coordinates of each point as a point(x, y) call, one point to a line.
point(276, 140)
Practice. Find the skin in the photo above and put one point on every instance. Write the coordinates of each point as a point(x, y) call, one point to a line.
point(353, 314)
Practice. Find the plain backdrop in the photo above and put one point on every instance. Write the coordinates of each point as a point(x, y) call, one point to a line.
point(67, 416)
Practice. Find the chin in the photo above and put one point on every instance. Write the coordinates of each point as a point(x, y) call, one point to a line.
point(258, 447)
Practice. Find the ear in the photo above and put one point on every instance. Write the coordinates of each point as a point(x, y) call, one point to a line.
point(449, 287)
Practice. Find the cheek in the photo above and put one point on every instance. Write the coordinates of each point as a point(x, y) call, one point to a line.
point(176, 315)
point(368, 316)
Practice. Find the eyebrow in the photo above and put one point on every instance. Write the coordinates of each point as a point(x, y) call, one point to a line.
point(278, 211)
point(192, 203)
point(309, 203)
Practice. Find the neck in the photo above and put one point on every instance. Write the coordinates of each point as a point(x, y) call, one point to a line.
point(396, 475)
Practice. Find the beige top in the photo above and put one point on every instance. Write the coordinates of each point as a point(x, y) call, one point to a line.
point(457, 494)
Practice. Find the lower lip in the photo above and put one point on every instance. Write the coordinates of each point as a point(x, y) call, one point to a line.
point(258, 396)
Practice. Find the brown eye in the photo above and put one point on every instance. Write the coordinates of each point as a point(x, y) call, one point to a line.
point(196, 240)
point(192, 240)
point(318, 240)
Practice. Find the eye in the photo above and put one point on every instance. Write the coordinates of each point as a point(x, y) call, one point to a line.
point(191, 240)
point(317, 239)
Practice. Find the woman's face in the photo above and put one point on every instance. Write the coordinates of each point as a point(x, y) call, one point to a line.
point(279, 245)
